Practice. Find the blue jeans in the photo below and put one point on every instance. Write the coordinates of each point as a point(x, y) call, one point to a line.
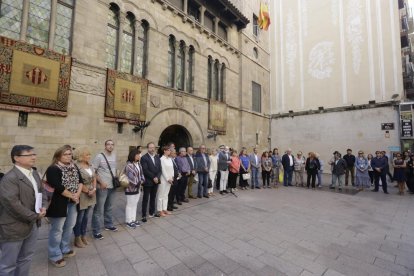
point(202, 184)
point(255, 177)
point(82, 222)
point(319, 175)
point(103, 207)
point(60, 233)
point(287, 177)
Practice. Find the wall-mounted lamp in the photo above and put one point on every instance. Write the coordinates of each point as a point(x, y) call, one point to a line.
point(212, 134)
point(140, 127)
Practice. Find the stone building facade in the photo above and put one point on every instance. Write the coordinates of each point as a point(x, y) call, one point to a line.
point(336, 75)
point(213, 30)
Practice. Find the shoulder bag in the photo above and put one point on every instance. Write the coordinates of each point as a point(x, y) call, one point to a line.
point(115, 180)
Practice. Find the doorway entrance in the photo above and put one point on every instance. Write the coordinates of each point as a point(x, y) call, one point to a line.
point(176, 134)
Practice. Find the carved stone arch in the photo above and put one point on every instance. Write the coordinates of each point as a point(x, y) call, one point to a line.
point(215, 55)
point(141, 14)
point(179, 35)
point(119, 3)
point(173, 116)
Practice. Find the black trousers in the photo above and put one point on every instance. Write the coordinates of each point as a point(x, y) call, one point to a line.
point(172, 193)
point(181, 187)
point(311, 175)
point(383, 176)
point(232, 179)
point(218, 181)
point(150, 192)
point(266, 178)
point(371, 176)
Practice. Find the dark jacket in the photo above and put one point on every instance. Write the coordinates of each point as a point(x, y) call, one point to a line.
point(222, 164)
point(17, 205)
point(286, 162)
point(193, 165)
point(340, 167)
point(150, 170)
point(201, 164)
point(312, 167)
point(350, 160)
point(59, 203)
point(381, 163)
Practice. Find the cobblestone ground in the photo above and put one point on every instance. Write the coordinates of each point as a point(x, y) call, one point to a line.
point(284, 231)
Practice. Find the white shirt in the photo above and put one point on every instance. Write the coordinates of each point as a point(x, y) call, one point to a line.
point(30, 177)
point(152, 157)
point(256, 158)
point(290, 160)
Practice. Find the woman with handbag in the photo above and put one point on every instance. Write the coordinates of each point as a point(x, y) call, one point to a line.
point(64, 177)
point(87, 199)
point(234, 168)
point(135, 175)
point(244, 169)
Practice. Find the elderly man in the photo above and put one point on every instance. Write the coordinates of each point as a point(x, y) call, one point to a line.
point(185, 171)
point(202, 168)
point(288, 167)
point(21, 209)
point(224, 160)
point(255, 165)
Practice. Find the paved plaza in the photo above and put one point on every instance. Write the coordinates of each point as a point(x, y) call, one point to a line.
point(284, 231)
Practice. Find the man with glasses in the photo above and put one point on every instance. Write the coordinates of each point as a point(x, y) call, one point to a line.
point(105, 192)
point(379, 164)
point(203, 166)
point(21, 209)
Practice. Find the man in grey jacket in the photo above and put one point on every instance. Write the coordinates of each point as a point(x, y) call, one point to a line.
point(338, 171)
point(21, 209)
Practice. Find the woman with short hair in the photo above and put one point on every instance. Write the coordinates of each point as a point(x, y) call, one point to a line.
point(133, 171)
point(399, 172)
point(167, 178)
point(234, 168)
point(64, 177)
point(266, 169)
point(362, 165)
point(311, 166)
point(212, 173)
point(244, 168)
point(87, 197)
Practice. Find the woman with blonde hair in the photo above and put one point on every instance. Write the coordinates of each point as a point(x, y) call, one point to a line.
point(362, 165)
point(64, 177)
point(87, 197)
point(167, 178)
point(212, 173)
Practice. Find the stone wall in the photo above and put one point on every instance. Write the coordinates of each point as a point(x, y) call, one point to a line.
point(85, 124)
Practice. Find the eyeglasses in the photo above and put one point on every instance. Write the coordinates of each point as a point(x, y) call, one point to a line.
point(67, 154)
point(28, 155)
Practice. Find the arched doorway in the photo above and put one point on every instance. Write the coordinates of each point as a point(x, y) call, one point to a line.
point(177, 134)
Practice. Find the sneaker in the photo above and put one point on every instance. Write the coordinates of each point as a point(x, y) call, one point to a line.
point(150, 216)
point(332, 187)
point(137, 223)
point(98, 236)
point(69, 254)
point(111, 228)
point(157, 215)
point(144, 219)
point(58, 263)
point(131, 225)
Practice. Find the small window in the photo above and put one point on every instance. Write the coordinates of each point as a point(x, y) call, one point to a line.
point(193, 10)
point(255, 25)
point(177, 3)
point(209, 21)
point(255, 53)
point(256, 97)
point(222, 31)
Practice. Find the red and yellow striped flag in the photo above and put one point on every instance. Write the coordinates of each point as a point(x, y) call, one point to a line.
point(264, 17)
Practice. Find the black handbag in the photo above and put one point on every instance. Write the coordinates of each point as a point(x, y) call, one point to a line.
point(115, 180)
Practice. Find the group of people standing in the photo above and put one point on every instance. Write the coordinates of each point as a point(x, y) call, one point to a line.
point(75, 185)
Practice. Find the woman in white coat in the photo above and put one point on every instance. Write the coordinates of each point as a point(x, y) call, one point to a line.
point(167, 178)
point(212, 173)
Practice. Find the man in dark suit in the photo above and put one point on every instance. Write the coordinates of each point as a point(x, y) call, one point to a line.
point(151, 166)
point(193, 165)
point(21, 209)
point(288, 167)
point(202, 168)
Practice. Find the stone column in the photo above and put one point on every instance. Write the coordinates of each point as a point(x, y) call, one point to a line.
point(216, 21)
point(202, 11)
point(52, 23)
point(25, 19)
point(135, 65)
point(177, 49)
point(219, 84)
point(122, 20)
point(185, 7)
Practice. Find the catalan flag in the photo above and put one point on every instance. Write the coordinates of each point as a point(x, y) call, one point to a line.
point(264, 17)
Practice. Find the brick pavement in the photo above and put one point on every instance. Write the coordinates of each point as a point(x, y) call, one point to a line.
point(284, 231)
